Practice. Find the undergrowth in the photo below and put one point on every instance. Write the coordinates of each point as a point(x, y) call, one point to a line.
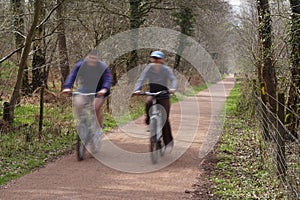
point(240, 172)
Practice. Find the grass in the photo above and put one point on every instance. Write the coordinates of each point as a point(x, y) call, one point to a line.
point(240, 173)
point(19, 157)
point(21, 150)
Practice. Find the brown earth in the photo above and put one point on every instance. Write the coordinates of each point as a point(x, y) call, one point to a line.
point(123, 169)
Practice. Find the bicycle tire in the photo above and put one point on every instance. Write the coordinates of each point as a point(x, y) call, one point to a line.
point(153, 149)
point(153, 142)
point(80, 149)
point(161, 147)
point(82, 139)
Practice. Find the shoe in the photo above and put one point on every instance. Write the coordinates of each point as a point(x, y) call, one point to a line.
point(159, 146)
point(162, 148)
point(169, 147)
point(147, 121)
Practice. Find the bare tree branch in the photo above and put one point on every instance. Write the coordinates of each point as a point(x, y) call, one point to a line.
point(19, 33)
point(18, 49)
point(115, 13)
point(48, 16)
point(10, 54)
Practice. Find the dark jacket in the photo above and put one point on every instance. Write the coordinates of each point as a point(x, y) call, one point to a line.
point(90, 78)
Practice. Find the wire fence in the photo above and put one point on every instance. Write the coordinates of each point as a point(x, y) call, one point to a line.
point(280, 149)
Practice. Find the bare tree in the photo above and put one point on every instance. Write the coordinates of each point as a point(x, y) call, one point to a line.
point(294, 94)
point(23, 59)
point(138, 11)
point(18, 11)
point(268, 69)
point(185, 20)
point(39, 54)
point(62, 43)
point(211, 29)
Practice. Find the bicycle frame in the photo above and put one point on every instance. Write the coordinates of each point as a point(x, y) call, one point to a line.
point(156, 115)
point(87, 111)
point(87, 123)
point(155, 127)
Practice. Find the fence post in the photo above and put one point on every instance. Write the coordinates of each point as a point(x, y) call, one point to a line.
point(280, 155)
point(6, 116)
point(108, 104)
point(254, 94)
point(41, 110)
point(266, 134)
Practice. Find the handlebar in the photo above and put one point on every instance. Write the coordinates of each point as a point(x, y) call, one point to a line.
point(84, 94)
point(152, 93)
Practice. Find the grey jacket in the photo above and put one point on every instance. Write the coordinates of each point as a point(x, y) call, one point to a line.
point(158, 81)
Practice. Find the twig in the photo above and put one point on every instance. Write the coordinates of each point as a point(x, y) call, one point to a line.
point(10, 54)
point(48, 16)
point(18, 49)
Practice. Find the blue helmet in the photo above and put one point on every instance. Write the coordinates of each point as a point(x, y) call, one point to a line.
point(157, 54)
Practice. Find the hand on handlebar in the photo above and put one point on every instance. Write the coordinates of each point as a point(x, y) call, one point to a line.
point(67, 91)
point(136, 92)
point(102, 92)
point(172, 91)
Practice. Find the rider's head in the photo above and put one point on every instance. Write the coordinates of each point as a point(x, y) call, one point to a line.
point(157, 57)
point(92, 58)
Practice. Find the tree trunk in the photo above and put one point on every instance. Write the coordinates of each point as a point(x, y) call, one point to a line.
point(293, 100)
point(268, 69)
point(18, 10)
point(260, 48)
point(136, 20)
point(38, 65)
point(177, 61)
point(39, 56)
point(185, 20)
point(62, 44)
point(114, 73)
point(23, 59)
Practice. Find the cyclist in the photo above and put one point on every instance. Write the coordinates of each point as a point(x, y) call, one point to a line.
point(158, 75)
point(93, 76)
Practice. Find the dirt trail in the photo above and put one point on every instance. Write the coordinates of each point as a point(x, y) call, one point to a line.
point(128, 173)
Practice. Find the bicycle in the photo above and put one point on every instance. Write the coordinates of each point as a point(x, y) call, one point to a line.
point(155, 125)
point(86, 127)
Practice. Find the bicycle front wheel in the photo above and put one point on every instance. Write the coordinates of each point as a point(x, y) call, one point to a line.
point(80, 149)
point(153, 141)
point(82, 138)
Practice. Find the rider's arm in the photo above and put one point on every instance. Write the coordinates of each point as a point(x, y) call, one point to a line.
point(141, 80)
point(172, 79)
point(72, 76)
point(106, 79)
